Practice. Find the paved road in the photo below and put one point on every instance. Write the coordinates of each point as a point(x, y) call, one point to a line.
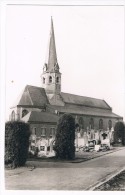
point(66, 176)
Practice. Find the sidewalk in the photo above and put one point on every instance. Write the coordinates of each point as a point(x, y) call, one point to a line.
point(58, 175)
point(79, 157)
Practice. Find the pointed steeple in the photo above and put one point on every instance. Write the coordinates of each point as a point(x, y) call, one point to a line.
point(51, 76)
point(51, 64)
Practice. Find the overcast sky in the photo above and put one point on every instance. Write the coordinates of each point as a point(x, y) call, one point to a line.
point(90, 50)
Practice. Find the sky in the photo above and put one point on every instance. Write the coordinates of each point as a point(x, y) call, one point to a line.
point(90, 50)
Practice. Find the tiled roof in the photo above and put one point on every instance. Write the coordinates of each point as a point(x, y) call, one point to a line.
point(83, 111)
point(74, 104)
point(32, 96)
point(86, 101)
point(41, 117)
point(36, 96)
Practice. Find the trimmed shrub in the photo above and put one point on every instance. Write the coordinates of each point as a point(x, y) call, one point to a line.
point(65, 137)
point(119, 132)
point(17, 135)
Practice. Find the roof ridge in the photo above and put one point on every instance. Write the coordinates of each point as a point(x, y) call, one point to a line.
point(34, 86)
point(18, 98)
point(30, 96)
point(107, 104)
point(117, 115)
point(83, 96)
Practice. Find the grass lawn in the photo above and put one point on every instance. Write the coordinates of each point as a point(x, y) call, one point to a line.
point(115, 184)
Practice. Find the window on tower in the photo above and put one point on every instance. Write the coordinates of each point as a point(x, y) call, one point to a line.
point(57, 79)
point(43, 80)
point(50, 79)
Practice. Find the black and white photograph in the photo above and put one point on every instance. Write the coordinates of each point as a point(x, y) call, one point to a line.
point(64, 127)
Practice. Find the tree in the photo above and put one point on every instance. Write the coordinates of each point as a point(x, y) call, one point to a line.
point(65, 137)
point(119, 132)
point(17, 135)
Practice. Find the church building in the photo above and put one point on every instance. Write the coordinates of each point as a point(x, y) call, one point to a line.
point(42, 106)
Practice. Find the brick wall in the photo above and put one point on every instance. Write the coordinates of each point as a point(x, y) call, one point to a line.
point(39, 129)
point(96, 119)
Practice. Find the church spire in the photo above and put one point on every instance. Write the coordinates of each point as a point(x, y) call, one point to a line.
point(51, 76)
point(51, 64)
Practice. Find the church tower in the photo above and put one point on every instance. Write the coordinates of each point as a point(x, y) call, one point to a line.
point(51, 76)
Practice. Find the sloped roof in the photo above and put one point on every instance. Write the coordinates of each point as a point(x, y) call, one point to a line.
point(32, 96)
point(86, 101)
point(41, 117)
point(74, 104)
point(84, 111)
point(36, 96)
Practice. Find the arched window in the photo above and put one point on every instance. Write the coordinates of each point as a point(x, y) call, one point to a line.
point(91, 123)
point(34, 131)
point(43, 80)
point(24, 112)
point(13, 116)
point(50, 79)
point(100, 124)
point(81, 123)
point(57, 79)
point(52, 132)
point(110, 124)
point(43, 131)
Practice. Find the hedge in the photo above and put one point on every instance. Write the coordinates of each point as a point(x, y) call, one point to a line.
point(119, 132)
point(17, 135)
point(65, 137)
